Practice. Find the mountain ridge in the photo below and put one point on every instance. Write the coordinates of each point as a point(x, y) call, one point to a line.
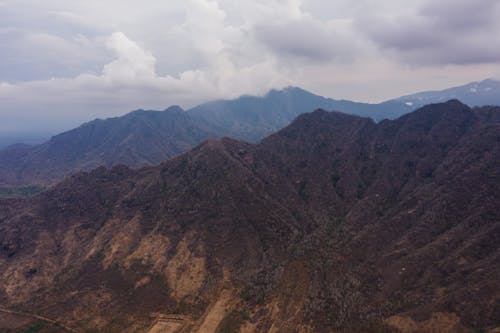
point(477, 93)
point(149, 137)
point(332, 222)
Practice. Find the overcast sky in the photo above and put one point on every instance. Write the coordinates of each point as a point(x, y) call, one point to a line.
point(63, 62)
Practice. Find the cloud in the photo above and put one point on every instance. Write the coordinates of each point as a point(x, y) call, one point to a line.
point(64, 62)
point(461, 15)
point(42, 55)
point(129, 81)
point(198, 57)
point(133, 63)
point(439, 33)
point(309, 40)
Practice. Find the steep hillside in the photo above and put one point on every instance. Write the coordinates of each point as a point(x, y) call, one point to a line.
point(136, 139)
point(333, 224)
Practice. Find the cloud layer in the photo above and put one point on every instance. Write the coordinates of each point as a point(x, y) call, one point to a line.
point(64, 62)
point(442, 32)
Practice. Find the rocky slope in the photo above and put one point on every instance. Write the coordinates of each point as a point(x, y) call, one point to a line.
point(333, 224)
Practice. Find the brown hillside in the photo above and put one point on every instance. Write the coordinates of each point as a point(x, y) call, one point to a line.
point(334, 224)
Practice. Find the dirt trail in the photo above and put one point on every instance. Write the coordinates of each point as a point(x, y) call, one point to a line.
point(209, 322)
point(170, 323)
point(34, 316)
point(218, 311)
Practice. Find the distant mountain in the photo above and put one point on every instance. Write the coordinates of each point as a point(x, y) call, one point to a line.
point(333, 224)
point(251, 118)
point(136, 139)
point(8, 139)
point(150, 137)
point(482, 93)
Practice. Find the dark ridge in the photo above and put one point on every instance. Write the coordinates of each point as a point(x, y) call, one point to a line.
point(145, 137)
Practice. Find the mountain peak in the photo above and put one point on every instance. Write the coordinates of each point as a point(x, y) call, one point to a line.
point(450, 106)
point(289, 90)
point(321, 115)
point(442, 114)
point(454, 102)
point(174, 108)
point(490, 80)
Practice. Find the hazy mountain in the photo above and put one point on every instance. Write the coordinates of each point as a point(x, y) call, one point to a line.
point(333, 224)
point(251, 118)
point(8, 139)
point(150, 137)
point(482, 93)
point(136, 139)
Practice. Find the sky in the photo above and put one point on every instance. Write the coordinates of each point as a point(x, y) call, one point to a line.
point(65, 62)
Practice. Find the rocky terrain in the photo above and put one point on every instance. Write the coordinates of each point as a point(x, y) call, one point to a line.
point(333, 224)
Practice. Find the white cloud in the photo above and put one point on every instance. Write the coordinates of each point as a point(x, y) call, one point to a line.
point(133, 63)
point(438, 33)
point(70, 61)
point(130, 81)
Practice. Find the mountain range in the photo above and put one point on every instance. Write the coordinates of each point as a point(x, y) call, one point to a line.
point(149, 137)
point(486, 92)
point(333, 224)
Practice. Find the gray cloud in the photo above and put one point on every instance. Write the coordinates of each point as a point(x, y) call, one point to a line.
point(463, 16)
point(64, 62)
point(130, 81)
point(437, 33)
point(40, 55)
point(307, 39)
